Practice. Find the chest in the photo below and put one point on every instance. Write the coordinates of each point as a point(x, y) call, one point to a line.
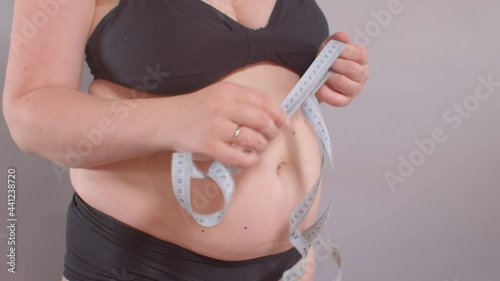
point(253, 14)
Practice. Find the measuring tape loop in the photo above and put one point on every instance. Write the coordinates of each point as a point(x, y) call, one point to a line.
point(301, 96)
point(183, 169)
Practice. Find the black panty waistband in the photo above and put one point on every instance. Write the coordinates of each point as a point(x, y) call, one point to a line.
point(99, 247)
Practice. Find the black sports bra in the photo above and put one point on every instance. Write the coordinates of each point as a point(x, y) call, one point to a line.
point(174, 47)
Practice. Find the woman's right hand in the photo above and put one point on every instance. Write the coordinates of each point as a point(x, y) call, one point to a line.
point(207, 120)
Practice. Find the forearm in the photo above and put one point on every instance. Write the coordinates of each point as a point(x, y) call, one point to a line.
point(80, 131)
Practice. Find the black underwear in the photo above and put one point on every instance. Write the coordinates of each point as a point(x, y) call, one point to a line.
point(101, 248)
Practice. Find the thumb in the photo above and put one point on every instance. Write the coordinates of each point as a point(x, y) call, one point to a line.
point(341, 36)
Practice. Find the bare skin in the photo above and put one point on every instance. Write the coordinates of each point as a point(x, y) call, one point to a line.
point(127, 176)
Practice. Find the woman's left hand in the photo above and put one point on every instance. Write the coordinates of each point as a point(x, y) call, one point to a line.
point(350, 73)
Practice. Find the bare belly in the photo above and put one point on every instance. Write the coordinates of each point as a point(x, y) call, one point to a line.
point(139, 193)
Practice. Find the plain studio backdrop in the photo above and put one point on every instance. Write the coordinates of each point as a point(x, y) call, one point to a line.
point(417, 154)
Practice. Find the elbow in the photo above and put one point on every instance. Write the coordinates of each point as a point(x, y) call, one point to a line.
point(17, 121)
point(22, 141)
point(27, 132)
point(21, 131)
point(20, 124)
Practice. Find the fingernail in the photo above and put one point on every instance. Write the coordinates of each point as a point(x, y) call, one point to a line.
point(268, 133)
point(287, 123)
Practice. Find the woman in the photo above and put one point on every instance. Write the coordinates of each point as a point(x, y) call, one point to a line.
point(200, 76)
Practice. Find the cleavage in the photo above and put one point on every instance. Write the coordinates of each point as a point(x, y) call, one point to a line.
point(252, 14)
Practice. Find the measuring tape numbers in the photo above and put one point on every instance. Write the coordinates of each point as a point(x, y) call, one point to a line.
point(301, 96)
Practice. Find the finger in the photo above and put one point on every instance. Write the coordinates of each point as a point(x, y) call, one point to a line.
point(264, 102)
point(340, 83)
point(255, 118)
point(225, 131)
point(355, 52)
point(352, 70)
point(332, 97)
point(341, 37)
point(249, 139)
point(227, 154)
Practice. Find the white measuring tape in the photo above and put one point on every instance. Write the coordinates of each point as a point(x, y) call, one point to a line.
point(302, 95)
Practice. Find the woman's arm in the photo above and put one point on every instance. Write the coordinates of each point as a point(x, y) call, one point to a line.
point(47, 115)
point(45, 112)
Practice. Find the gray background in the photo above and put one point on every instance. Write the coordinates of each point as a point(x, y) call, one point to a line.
point(441, 223)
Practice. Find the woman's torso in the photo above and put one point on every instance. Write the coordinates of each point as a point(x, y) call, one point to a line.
point(139, 192)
